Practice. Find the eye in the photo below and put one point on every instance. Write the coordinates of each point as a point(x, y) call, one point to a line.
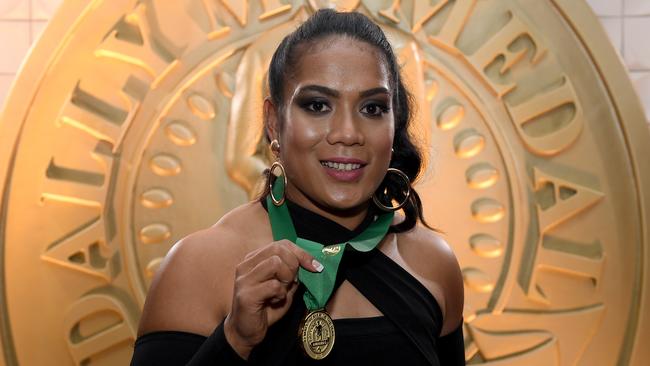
point(374, 109)
point(316, 106)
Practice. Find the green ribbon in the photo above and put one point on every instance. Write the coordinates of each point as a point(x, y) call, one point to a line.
point(320, 285)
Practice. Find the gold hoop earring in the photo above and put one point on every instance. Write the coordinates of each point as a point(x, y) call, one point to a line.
point(275, 147)
point(277, 202)
point(406, 198)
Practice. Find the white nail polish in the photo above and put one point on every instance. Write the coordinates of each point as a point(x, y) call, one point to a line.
point(319, 267)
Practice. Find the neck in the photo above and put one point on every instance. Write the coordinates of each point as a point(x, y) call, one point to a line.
point(350, 218)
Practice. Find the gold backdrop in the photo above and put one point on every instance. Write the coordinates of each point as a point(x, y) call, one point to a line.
point(133, 123)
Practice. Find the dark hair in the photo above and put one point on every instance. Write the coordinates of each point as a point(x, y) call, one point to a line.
point(406, 156)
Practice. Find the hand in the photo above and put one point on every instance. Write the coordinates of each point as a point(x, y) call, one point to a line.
point(264, 286)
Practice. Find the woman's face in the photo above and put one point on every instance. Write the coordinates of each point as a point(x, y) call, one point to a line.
point(338, 128)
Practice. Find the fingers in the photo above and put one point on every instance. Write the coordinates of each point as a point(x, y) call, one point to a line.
point(267, 275)
point(280, 249)
point(282, 299)
point(272, 267)
point(273, 291)
point(265, 283)
point(305, 259)
point(287, 251)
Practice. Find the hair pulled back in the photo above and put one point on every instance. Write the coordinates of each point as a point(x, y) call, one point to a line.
point(406, 156)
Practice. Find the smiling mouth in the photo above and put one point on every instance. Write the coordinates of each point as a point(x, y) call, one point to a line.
point(341, 166)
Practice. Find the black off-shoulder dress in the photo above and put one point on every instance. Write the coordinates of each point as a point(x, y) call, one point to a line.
point(406, 334)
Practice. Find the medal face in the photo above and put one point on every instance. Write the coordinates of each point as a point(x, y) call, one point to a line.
point(317, 334)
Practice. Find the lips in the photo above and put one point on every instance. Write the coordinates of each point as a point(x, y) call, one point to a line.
point(344, 169)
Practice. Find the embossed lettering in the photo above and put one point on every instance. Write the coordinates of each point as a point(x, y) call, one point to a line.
point(102, 111)
point(564, 199)
point(500, 46)
point(273, 8)
point(391, 12)
point(239, 10)
point(135, 41)
point(80, 182)
point(453, 26)
point(217, 30)
point(547, 338)
point(84, 249)
point(86, 341)
point(551, 121)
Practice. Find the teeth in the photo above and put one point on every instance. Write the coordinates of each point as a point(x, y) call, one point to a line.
point(340, 166)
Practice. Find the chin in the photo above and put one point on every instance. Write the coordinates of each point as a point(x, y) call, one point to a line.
point(346, 201)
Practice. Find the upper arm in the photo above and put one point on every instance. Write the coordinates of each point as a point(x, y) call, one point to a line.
point(432, 258)
point(192, 288)
point(452, 283)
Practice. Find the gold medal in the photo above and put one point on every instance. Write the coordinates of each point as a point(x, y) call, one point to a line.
point(317, 334)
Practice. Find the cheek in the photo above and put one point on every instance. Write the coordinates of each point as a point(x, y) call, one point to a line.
point(297, 145)
point(383, 142)
point(388, 139)
point(300, 133)
point(299, 142)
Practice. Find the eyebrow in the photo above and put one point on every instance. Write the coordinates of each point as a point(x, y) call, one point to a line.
point(320, 89)
point(373, 91)
point(334, 93)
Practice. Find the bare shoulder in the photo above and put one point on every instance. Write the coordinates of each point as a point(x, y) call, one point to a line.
point(431, 257)
point(429, 246)
point(192, 289)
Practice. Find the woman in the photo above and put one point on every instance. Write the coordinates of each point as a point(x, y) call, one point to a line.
point(337, 119)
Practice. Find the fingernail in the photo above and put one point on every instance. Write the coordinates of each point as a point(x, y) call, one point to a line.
point(319, 267)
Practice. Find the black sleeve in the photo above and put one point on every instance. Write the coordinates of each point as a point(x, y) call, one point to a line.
point(172, 348)
point(451, 348)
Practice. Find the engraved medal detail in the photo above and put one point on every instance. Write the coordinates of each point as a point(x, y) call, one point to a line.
point(317, 334)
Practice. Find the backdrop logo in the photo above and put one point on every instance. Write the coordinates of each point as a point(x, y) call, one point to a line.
point(135, 123)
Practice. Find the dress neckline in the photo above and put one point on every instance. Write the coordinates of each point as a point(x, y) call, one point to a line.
point(409, 311)
point(312, 226)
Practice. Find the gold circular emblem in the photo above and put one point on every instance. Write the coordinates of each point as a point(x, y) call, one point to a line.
point(317, 334)
point(134, 123)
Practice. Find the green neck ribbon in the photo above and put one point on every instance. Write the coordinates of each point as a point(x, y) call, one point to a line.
point(320, 285)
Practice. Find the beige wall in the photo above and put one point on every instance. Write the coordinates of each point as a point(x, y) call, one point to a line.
point(626, 21)
point(21, 22)
point(628, 25)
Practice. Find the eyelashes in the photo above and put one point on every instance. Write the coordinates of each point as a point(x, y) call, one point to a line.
point(315, 106)
point(373, 109)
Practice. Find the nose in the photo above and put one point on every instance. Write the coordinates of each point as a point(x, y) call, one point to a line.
point(345, 129)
